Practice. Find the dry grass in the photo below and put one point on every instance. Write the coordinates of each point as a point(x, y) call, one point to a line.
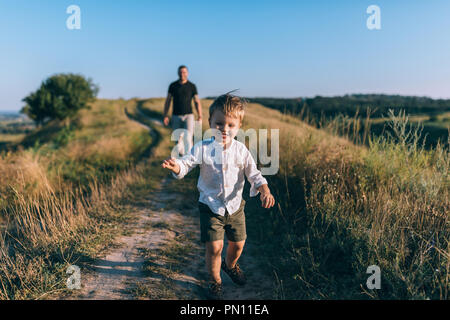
point(342, 207)
point(62, 201)
point(11, 137)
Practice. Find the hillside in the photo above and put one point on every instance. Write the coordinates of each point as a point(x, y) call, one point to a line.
point(350, 104)
point(354, 115)
point(340, 208)
point(62, 193)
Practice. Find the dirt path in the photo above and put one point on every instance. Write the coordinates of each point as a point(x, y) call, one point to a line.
point(162, 257)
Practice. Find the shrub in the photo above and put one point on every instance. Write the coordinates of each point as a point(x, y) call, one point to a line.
point(59, 97)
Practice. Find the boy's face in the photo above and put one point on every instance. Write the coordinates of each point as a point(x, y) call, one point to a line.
point(227, 125)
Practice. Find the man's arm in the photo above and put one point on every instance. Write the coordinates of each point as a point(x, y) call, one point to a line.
point(198, 107)
point(166, 109)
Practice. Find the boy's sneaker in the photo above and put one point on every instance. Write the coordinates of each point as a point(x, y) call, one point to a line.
point(215, 291)
point(236, 274)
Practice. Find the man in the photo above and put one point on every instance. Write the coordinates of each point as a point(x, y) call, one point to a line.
point(183, 91)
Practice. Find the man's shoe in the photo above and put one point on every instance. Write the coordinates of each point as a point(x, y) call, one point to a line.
point(236, 274)
point(215, 291)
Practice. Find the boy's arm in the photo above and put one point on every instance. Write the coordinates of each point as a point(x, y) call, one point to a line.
point(264, 189)
point(257, 182)
point(189, 161)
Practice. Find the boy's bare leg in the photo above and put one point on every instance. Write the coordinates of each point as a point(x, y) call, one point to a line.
point(213, 258)
point(234, 251)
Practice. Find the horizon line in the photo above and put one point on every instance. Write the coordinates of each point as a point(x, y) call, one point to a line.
point(270, 97)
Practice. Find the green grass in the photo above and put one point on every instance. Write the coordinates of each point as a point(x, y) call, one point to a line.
point(434, 128)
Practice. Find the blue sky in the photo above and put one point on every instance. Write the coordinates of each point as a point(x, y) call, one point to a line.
point(264, 48)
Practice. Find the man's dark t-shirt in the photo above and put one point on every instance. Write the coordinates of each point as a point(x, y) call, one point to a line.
point(182, 96)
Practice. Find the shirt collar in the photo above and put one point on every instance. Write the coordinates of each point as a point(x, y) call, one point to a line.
point(217, 144)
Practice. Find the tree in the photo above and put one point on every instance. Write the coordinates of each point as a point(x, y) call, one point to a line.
point(59, 97)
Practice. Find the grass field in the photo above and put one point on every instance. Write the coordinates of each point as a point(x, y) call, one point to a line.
point(432, 130)
point(62, 193)
point(13, 128)
point(341, 207)
point(434, 127)
point(355, 120)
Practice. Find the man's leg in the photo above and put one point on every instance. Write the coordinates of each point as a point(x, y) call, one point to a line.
point(214, 259)
point(177, 123)
point(234, 251)
point(189, 135)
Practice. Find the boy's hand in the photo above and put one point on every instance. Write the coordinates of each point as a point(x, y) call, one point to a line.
point(172, 165)
point(267, 199)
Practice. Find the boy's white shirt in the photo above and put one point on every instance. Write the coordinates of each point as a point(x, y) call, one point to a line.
point(221, 186)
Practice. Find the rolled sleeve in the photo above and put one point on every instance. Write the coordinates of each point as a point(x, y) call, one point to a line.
point(254, 176)
point(182, 172)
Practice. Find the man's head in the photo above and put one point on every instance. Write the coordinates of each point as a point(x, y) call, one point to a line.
point(226, 114)
point(183, 73)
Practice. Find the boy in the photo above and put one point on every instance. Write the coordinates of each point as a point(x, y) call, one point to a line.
point(220, 185)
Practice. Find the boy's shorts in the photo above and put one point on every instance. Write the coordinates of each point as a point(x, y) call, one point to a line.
point(213, 226)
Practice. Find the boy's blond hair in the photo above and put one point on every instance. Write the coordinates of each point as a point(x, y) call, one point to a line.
point(230, 105)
